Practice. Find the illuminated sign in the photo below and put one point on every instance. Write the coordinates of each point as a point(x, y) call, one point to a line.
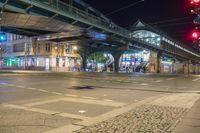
point(97, 36)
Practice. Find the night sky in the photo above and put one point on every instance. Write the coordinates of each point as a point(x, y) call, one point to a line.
point(170, 16)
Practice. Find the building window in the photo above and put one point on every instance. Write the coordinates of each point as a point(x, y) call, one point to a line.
point(47, 47)
point(18, 48)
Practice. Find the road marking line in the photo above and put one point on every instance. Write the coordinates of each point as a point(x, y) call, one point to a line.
point(88, 97)
point(170, 78)
point(42, 102)
point(42, 90)
point(73, 116)
point(20, 86)
point(48, 112)
point(96, 102)
point(69, 95)
point(30, 109)
point(32, 88)
point(158, 81)
point(4, 83)
point(82, 111)
point(108, 100)
point(65, 129)
point(144, 84)
point(105, 102)
point(56, 93)
point(196, 79)
point(10, 84)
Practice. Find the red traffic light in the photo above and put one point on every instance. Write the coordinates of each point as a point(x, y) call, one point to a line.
point(195, 2)
point(195, 35)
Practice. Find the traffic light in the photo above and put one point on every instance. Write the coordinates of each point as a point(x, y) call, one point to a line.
point(195, 2)
point(195, 35)
point(3, 37)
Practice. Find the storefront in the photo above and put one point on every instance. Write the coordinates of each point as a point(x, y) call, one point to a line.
point(134, 61)
point(9, 62)
point(99, 62)
point(166, 66)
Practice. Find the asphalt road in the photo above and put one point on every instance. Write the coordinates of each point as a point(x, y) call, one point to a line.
point(40, 102)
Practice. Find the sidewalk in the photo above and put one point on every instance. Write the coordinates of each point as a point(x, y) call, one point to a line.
point(22, 71)
point(191, 122)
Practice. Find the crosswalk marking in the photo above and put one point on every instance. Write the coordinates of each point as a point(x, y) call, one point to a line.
point(105, 102)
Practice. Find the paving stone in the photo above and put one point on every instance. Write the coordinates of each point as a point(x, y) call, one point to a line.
point(144, 119)
point(21, 121)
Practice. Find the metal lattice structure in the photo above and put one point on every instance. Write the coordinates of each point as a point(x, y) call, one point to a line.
point(91, 19)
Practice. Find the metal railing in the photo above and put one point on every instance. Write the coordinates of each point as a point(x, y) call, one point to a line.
point(72, 12)
point(81, 16)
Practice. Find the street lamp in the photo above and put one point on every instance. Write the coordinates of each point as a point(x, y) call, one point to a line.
point(75, 48)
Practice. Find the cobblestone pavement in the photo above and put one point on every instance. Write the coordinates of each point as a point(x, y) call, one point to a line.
point(144, 119)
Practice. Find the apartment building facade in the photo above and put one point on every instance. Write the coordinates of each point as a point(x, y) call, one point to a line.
point(21, 52)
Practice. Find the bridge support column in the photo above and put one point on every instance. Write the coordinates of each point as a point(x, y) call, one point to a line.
point(84, 53)
point(84, 63)
point(116, 55)
point(159, 55)
point(187, 67)
point(155, 62)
